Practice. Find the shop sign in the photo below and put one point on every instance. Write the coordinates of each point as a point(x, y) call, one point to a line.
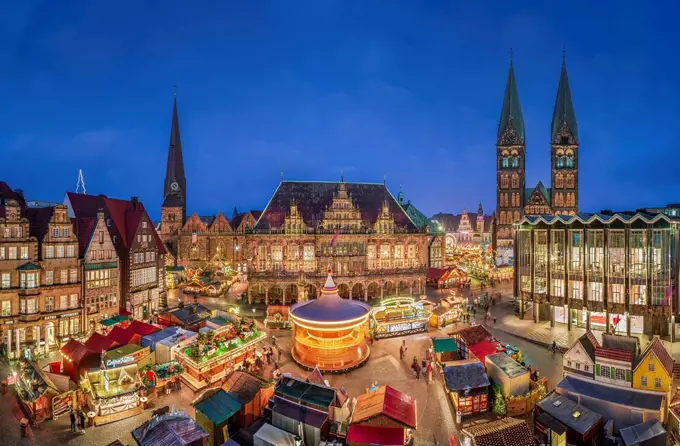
point(141, 354)
point(47, 318)
point(119, 361)
point(76, 313)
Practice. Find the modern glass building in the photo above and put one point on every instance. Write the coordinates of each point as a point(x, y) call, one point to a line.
point(606, 271)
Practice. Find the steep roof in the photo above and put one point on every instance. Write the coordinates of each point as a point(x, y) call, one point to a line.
point(511, 113)
point(420, 220)
point(83, 227)
point(313, 198)
point(504, 432)
point(621, 342)
point(387, 401)
point(656, 347)
point(589, 343)
point(540, 190)
point(6, 193)
point(40, 219)
point(244, 386)
point(175, 165)
point(564, 108)
point(612, 353)
point(451, 222)
point(467, 373)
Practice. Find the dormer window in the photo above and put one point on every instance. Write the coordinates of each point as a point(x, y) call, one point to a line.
point(143, 225)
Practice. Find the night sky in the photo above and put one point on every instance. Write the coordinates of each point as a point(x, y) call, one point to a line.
point(315, 88)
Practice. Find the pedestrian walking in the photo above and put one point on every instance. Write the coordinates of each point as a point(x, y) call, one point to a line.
point(81, 416)
point(402, 350)
point(494, 321)
point(429, 372)
point(278, 354)
point(428, 354)
point(72, 418)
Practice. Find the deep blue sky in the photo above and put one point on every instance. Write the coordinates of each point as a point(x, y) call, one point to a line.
point(407, 89)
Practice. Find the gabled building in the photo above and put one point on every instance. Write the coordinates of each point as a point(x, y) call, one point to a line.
point(140, 250)
point(614, 366)
point(465, 230)
point(580, 358)
point(654, 369)
point(99, 271)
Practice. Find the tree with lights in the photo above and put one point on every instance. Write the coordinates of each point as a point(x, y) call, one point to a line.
point(499, 405)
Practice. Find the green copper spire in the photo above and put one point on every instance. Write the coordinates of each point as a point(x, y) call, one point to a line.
point(511, 113)
point(564, 109)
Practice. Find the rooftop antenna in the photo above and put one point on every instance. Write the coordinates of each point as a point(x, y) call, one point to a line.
point(564, 53)
point(175, 90)
point(80, 187)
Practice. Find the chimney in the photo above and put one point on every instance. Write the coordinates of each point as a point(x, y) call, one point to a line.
point(134, 201)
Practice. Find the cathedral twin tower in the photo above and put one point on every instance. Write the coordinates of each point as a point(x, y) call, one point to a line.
point(513, 200)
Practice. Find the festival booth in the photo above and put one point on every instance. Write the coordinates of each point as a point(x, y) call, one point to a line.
point(128, 354)
point(161, 375)
point(211, 356)
point(512, 377)
point(100, 343)
point(113, 394)
point(330, 332)
point(383, 416)
point(277, 317)
point(252, 392)
point(174, 429)
point(116, 321)
point(476, 342)
point(77, 359)
point(190, 317)
point(448, 311)
point(43, 395)
point(166, 349)
point(217, 322)
point(445, 349)
point(398, 316)
point(269, 435)
point(216, 414)
point(467, 385)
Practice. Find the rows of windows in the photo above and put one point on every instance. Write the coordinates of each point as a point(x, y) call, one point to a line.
point(60, 251)
point(14, 253)
point(31, 305)
point(144, 276)
point(101, 278)
point(102, 302)
point(100, 254)
point(657, 382)
point(611, 372)
point(144, 257)
point(13, 232)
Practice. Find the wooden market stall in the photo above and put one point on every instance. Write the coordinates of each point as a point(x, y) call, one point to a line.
point(128, 354)
point(216, 413)
point(398, 316)
point(77, 359)
point(277, 317)
point(173, 429)
point(511, 376)
point(445, 349)
point(252, 391)
point(467, 385)
point(113, 394)
point(168, 348)
point(40, 393)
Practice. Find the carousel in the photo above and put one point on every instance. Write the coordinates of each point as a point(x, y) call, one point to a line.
point(330, 332)
point(398, 316)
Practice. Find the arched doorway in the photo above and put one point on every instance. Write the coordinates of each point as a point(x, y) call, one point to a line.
point(343, 290)
point(415, 287)
point(402, 288)
point(373, 290)
point(275, 295)
point(311, 291)
point(358, 291)
point(390, 289)
point(291, 293)
point(258, 294)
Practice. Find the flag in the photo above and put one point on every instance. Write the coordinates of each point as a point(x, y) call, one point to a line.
point(452, 440)
point(335, 238)
point(617, 319)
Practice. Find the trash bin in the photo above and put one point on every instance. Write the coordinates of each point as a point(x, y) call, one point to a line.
point(24, 427)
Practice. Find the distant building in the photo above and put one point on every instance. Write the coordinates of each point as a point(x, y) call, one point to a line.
point(465, 230)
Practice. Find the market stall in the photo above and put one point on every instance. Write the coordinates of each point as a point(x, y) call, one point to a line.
point(512, 377)
point(37, 391)
point(173, 429)
point(277, 317)
point(448, 311)
point(128, 354)
point(398, 316)
point(445, 349)
point(209, 357)
point(166, 349)
point(77, 359)
point(162, 375)
point(377, 413)
point(467, 385)
point(113, 393)
point(154, 338)
point(216, 413)
point(106, 325)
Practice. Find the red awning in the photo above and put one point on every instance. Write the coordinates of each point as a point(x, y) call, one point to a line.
point(384, 436)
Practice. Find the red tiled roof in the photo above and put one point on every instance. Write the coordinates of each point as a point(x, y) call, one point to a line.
point(611, 353)
point(503, 432)
point(656, 347)
point(387, 401)
point(40, 219)
point(472, 335)
point(83, 227)
point(435, 274)
point(6, 193)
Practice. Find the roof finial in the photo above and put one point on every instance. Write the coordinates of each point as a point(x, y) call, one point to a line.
point(564, 53)
point(282, 174)
point(342, 175)
point(175, 90)
point(511, 56)
point(384, 179)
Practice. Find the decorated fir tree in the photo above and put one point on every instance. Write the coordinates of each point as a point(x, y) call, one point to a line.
point(499, 406)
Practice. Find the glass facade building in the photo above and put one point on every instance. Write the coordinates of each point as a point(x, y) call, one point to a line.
point(613, 272)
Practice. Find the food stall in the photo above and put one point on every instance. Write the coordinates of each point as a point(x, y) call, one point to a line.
point(160, 375)
point(445, 349)
point(448, 311)
point(113, 393)
point(174, 429)
point(77, 359)
point(209, 357)
point(38, 390)
point(468, 386)
point(512, 377)
point(128, 354)
point(154, 338)
point(398, 316)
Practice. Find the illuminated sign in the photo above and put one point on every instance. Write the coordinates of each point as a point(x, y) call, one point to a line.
point(119, 361)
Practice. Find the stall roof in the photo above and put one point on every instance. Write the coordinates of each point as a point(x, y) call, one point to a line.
point(300, 413)
point(468, 373)
point(176, 429)
point(508, 365)
point(388, 436)
point(564, 410)
point(634, 435)
point(387, 401)
point(243, 386)
point(142, 328)
point(295, 388)
point(483, 348)
point(117, 319)
point(219, 320)
point(219, 406)
point(191, 314)
point(177, 337)
point(617, 395)
point(506, 431)
point(444, 345)
point(120, 335)
point(99, 343)
point(472, 335)
point(120, 352)
point(76, 351)
point(274, 436)
point(153, 338)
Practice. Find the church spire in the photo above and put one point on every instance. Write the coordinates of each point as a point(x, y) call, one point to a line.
point(511, 114)
point(564, 110)
point(175, 181)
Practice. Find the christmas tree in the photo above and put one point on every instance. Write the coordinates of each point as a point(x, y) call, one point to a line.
point(499, 406)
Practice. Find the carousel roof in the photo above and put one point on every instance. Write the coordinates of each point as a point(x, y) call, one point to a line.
point(329, 307)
